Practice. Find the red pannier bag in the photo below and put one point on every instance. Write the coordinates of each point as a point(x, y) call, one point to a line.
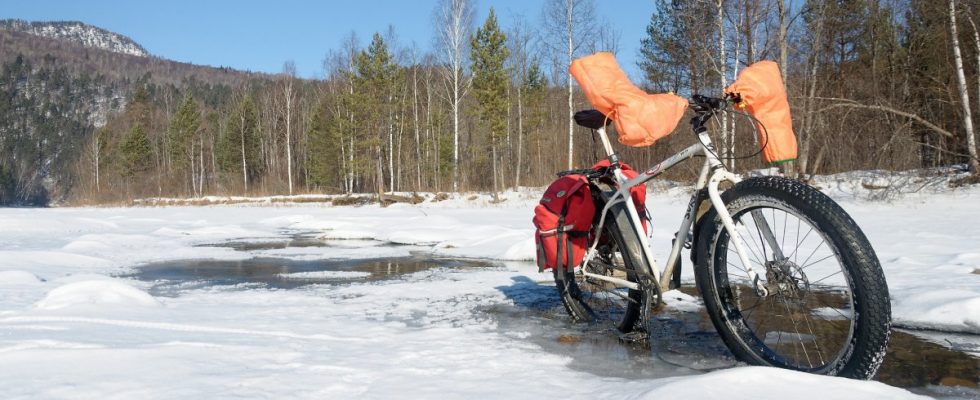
point(563, 219)
point(638, 193)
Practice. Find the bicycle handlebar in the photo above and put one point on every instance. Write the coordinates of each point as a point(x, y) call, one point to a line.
point(701, 104)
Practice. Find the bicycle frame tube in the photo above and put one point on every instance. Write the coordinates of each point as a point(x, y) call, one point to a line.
point(712, 174)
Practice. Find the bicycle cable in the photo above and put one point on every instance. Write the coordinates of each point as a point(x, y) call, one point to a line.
point(756, 124)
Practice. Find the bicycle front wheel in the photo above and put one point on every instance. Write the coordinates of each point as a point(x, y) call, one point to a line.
point(827, 310)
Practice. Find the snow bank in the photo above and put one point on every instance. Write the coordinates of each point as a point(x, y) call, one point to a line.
point(752, 383)
point(96, 292)
point(18, 278)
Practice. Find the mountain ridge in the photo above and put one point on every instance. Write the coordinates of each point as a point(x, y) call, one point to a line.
point(87, 35)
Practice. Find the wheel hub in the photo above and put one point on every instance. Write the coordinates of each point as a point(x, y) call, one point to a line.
point(787, 279)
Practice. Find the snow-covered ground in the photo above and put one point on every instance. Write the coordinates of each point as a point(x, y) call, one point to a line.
point(68, 329)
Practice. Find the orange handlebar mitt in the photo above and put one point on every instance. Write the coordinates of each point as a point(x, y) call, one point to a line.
point(764, 96)
point(641, 118)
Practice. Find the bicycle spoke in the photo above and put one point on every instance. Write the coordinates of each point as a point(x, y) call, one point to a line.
point(799, 243)
point(752, 309)
point(767, 315)
point(802, 342)
point(796, 328)
point(816, 342)
point(833, 308)
point(822, 242)
point(828, 276)
point(763, 251)
point(815, 262)
point(751, 250)
point(782, 243)
point(740, 269)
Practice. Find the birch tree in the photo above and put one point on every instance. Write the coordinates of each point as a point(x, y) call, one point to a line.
point(964, 94)
point(519, 41)
point(289, 98)
point(571, 23)
point(454, 19)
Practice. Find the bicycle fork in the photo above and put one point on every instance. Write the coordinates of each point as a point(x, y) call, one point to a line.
point(726, 219)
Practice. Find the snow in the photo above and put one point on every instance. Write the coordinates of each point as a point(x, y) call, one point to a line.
point(68, 328)
point(95, 292)
point(758, 382)
point(86, 35)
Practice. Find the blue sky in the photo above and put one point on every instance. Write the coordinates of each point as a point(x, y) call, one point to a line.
point(262, 35)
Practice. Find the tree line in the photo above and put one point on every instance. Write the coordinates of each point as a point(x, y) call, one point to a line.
point(873, 84)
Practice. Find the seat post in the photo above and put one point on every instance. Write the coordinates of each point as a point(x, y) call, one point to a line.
point(606, 145)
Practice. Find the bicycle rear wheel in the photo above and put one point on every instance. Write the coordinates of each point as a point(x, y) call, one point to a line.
point(827, 310)
point(600, 302)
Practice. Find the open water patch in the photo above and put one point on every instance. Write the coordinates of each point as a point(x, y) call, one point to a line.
point(170, 278)
point(297, 240)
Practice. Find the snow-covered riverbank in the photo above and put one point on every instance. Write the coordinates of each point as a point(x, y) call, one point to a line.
point(69, 330)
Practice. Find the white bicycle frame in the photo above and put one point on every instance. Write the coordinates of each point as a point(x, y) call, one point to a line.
point(712, 174)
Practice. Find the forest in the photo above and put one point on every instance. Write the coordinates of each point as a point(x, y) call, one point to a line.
point(873, 84)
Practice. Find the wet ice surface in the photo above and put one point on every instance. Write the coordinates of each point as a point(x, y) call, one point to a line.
point(685, 342)
point(170, 278)
point(680, 342)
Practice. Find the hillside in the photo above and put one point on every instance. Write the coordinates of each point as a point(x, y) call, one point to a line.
point(105, 53)
point(60, 81)
point(77, 32)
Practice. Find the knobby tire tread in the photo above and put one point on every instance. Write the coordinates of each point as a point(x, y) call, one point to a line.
point(865, 351)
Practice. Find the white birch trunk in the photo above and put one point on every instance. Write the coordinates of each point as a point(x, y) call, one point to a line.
point(964, 94)
point(723, 72)
point(570, 20)
point(972, 151)
point(520, 139)
point(244, 164)
point(415, 113)
point(289, 135)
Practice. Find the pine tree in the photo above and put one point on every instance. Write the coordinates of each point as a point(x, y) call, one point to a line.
point(324, 148)
point(136, 152)
point(377, 77)
point(184, 129)
point(672, 53)
point(489, 52)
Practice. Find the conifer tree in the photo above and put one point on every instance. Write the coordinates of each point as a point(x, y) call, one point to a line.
point(488, 54)
point(184, 129)
point(377, 76)
point(136, 152)
point(324, 147)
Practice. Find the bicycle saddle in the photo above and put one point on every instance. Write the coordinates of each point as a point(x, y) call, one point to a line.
point(591, 119)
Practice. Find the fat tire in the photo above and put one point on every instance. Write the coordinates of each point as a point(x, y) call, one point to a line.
point(864, 352)
point(621, 231)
